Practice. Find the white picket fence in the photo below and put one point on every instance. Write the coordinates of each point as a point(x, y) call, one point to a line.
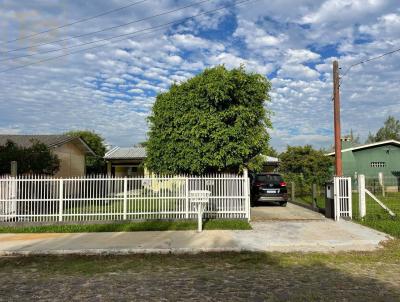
point(45, 199)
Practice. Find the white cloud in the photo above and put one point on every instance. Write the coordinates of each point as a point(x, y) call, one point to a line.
point(111, 89)
point(297, 71)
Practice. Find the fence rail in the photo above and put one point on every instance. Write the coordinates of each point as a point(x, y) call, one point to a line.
point(44, 199)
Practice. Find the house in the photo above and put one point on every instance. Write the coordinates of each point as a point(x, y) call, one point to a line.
point(70, 150)
point(125, 161)
point(130, 162)
point(371, 159)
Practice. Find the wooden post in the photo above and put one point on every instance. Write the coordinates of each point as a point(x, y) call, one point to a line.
point(109, 168)
point(14, 168)
point(336, 114)
point(314, 196)
point(361, 196)
point(292, 190)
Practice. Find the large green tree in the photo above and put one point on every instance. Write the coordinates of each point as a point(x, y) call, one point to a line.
point(96, 163)
point(305, 164)
point(37, 159)
point(390, 130)
point(215, 121)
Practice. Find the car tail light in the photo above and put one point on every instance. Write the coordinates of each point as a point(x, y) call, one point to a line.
point(282, 184)
point(258, 184)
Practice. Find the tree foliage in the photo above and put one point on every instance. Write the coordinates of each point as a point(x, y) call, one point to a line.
point(37, 159)
point(215, 121)
point(94, 164)
point(390, 130)
point(305, 164)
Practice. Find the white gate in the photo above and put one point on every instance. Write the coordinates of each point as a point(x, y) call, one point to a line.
point(342, 197)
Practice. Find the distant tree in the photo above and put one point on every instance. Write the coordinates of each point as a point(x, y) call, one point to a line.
point(37, 159)
point(354, 138)
point(370, 138)
point(272, 152)
point(94, 164)
point(390, 130)
point(305, 163)
point(141, 144)
point(216, 121)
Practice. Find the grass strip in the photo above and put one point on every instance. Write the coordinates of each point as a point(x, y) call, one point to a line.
point(155, 225)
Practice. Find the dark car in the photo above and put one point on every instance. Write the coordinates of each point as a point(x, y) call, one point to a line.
point(269, 187)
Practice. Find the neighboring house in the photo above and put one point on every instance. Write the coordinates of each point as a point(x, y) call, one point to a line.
point(370, 159)
point(70, 150)
point(125, 161)
point(130, 162)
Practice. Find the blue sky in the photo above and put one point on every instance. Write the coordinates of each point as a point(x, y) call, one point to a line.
point(111, 89)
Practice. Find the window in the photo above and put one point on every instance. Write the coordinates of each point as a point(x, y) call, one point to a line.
point(269, 177)
point(378, 164)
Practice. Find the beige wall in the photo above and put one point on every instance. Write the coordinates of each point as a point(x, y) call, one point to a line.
point(72, 160)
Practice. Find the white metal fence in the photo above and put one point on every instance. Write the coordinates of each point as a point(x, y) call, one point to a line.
point(44, 199)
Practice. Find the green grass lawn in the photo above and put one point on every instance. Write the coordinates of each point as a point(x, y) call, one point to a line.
point(155, 225)
point(320, 201)
point(377, 218)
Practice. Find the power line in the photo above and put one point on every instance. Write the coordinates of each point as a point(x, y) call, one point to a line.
point(127, 36)
point(105, 29)
point(369, 59)
point(100, 40)
point(75, 22)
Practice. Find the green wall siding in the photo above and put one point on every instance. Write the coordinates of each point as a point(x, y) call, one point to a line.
point(360, 161)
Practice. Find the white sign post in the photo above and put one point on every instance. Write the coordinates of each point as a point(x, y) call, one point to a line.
point(200, 199)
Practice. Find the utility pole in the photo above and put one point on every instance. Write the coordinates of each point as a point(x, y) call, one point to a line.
point(336, 117)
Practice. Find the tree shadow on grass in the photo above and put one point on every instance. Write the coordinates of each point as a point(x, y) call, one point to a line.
point(207, 276)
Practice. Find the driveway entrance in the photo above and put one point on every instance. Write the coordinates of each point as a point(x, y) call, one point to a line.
point(271, 211)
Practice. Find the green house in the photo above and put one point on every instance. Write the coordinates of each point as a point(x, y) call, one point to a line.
point(371, 159)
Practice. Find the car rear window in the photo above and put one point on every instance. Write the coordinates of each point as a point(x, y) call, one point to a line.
point(269, 178)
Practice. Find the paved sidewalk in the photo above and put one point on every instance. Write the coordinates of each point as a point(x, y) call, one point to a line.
point(285, 236)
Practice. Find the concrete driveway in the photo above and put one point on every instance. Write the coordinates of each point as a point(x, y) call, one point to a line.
point(271, 211)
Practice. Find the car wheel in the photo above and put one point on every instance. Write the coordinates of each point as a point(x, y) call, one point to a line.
point(283, 204)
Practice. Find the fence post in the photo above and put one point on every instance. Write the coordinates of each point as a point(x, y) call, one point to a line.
point(382, 183)
point(187, 198)
point(60, 204)
point(314, 196)
point(14, 168)
point(292, 191)
point(246, 193)
point(361, 196)
point(125, 197)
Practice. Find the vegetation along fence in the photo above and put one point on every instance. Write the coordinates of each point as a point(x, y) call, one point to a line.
point(385, 188)
point(382, 200)
point(308, 193)
point(44, 199)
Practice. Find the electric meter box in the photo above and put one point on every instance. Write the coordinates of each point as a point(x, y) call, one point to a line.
point(329, 200)
point(329, 190)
